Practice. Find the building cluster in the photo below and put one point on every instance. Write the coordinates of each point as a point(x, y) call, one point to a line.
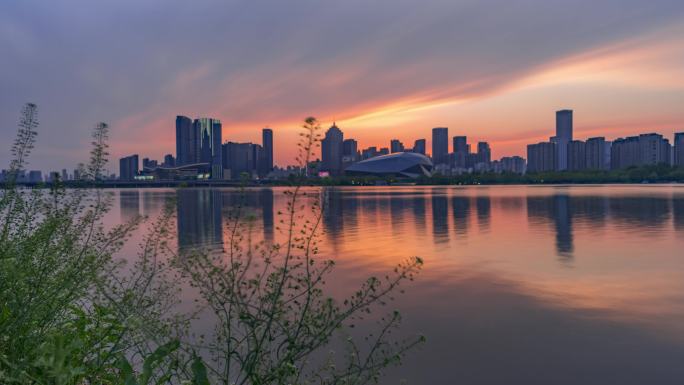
point(37, 176)
point(563, 153)
point(202, 154)
point(338, 154)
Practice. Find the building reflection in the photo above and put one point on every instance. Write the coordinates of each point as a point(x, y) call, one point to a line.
point(483, 206)
point(418, 207)
point(129, 203)
point(440, 221)
point(554, 210)
point(678, 212)
point(644, 212)
point(267, 214)
point(460, 208)
point(199, 218)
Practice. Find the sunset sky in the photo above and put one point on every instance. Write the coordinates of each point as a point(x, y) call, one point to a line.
point(494, 70)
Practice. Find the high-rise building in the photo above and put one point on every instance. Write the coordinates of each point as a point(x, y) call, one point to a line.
point(396, 146)
point(577, 156)
point(679, 149)
point(331, 151)
point(642, 150)
point(460, 144)
point(169, 161)
point(128, 167)
point(267, 143)
point(654, 149)
point(238, 160)
point(384, 151)
point(541, 157)
point(35, 176)
point(595, 153)
point(440, 145)
point(419, 146)
point(369, 152)
point(349, 151)
point(562, 138)
point(186, 141)
point(625, 153)
point(209, 134)
point(512, 164)
point(484, 153)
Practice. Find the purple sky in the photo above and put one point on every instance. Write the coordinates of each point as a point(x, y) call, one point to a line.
point(493, 70)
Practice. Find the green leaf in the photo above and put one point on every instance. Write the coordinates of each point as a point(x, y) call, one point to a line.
point(199, 372)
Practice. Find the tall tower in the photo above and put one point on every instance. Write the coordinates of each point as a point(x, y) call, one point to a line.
point(679, 149)
point(562, 138)
point(267, 143)
point(185, 141)
point(332, 150)
point(208, 133)
point(440, 145)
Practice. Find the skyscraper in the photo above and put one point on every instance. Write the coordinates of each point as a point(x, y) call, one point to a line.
point(396, 146)
point(679, 149)
point(419, 146)
point(460, 144)
point(484, 153)
point(128, 167)
point(186, 141)
point(595, 153)
point(349, 151)
point(331, 151)
point(208, 132)
point(562, 138)
point(169, 161)
point(541, 157)
point(577, 155)
point(267, 143)
point(440, 145)
point(238, 159)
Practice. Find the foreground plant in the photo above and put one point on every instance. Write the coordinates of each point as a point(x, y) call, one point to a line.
point(72, 314)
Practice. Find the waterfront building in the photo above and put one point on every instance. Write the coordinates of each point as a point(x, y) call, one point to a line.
point(654, 149)
point(563, 137)
point(541, 157)
point(186, 141)
point(35, 176)
point(267, 143)
point(679, 149)
point(369, 152)
point(169, 161)
point(396, 146)
point(577, 157)
point(440, 145)
point(128, 167)
point(595, 151)
point(400, 164)
point(332, 150)
point(209, 136)
point(419, 146)
point(238, 159)
point(484, 153)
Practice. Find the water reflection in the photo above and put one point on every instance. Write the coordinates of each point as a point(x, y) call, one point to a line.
point(440, 222)
point(199, 218)
point(494, 301)
point(129, 204)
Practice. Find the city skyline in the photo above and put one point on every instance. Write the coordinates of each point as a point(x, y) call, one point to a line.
point(459, 66)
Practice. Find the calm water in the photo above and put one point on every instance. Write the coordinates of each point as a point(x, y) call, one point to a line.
point(522, 285)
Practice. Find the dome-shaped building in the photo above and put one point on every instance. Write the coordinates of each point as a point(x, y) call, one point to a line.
point(400, 164)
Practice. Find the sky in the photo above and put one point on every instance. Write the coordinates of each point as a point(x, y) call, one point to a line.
point(494, 70)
